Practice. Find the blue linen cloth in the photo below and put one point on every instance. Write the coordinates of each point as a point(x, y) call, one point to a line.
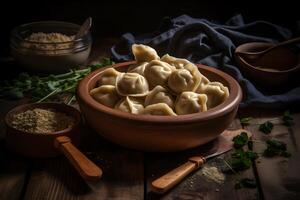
point(213, 44)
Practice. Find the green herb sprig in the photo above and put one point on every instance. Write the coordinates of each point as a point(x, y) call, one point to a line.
point(276, 148)
point(245, 121)
point(240, 140)
point(241, 160)
point(266, 127)
point(42, 88)
point(287, 118)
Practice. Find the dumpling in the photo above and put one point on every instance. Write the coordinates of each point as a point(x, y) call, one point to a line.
point(159, 95)
point(106, 95)
point(137, 68)
point(130, 105)
point(132, 84)
point(179, 63)
point(108, 77)
point(158, 72)
point(158, 109)
point(143, 53)
point(190, 102)
point(187, 79)
point(216, 93)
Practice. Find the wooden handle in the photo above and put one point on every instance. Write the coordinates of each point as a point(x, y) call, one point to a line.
point(86, 168)
point(167, 181)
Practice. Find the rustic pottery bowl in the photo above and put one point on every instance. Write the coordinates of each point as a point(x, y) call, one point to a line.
point(37, 145)
point(274, 70)
point(159, 133)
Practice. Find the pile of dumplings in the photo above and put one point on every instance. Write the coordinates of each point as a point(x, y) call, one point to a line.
point(158, 86)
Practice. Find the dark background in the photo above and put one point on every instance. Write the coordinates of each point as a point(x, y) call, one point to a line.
point(113, 18)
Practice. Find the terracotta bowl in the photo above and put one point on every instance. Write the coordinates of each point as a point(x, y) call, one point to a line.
point(40, 145)
point(159, 133)
point(274, 70)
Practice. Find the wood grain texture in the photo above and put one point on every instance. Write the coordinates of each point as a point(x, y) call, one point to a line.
point(196, 186)
point(122, 174)
point(279, 177)
point(13, 168)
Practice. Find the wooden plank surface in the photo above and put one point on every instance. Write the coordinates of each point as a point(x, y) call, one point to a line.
point(196, 186)
point(128, 174)
point(123, 176)
point(279, 177)
point(13, 168)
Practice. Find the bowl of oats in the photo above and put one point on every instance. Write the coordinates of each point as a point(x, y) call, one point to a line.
point(49, 46)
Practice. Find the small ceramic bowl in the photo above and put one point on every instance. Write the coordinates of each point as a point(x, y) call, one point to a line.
point(274, 70)
point(159, 133)
point(39, 145)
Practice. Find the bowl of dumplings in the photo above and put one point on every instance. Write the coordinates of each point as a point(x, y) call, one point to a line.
point(160, 104)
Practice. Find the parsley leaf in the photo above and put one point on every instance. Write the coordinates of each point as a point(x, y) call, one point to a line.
point(245, 121)
point(287, 118)
point(241, 160)
point(276, 148)
point(240, 140)
point(245, 183)
point(266, 127)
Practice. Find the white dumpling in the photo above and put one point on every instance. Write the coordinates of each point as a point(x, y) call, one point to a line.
point(216, 93)
point(108, 77)
point(179, 63)
point(137, 68)
point(190, 102)
point(159, 95)
point(143, 53)
point(130, 105)
point(106, 95)
point(158, 72)
point(132, 84)
point(187, 79)
point(204, 81)
point(158, 109)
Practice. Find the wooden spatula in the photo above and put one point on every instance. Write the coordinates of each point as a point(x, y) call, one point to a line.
point(169, 180)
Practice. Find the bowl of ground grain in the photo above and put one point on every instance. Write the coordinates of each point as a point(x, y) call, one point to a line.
point(33, 128)
point(49, 46)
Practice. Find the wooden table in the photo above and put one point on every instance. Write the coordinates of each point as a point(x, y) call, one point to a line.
point(128, 173)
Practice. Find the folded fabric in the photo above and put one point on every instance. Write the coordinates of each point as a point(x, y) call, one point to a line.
point(213, 44)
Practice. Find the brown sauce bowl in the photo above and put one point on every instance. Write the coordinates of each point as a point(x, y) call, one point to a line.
point(159, 133)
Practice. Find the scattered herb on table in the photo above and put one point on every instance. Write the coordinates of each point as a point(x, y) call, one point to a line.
point(245, 183)
point(276, 148)
point(287, 118)
point(245, 121)
point(240, 140)
point(242, 160)
point(41, 88)
point(266, 127)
